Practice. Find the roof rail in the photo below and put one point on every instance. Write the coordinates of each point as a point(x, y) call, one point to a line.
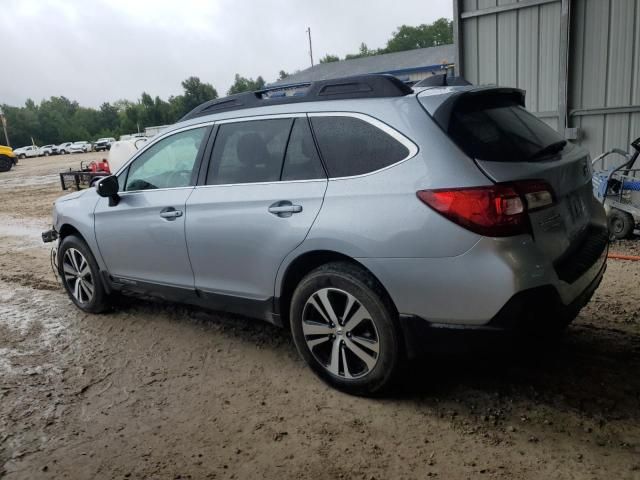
point(442, 80)
point(360, 86)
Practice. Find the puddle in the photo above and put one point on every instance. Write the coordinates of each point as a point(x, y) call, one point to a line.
point(30, 322)
point(29, 181)
point(29, 230)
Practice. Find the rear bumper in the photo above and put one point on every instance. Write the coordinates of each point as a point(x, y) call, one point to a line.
point(472, 288)
point(539, 310)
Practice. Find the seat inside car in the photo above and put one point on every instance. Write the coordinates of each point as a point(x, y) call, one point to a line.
point(255, 160)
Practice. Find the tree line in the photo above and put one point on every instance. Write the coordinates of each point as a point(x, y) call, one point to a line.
point(404, 38)
point(59, 119)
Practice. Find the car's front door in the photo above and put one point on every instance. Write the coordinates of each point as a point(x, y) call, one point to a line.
point(142, 239)
point(264, 188)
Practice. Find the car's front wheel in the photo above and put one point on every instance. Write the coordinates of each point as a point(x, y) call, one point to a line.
point(345, 328)
point(80, 275)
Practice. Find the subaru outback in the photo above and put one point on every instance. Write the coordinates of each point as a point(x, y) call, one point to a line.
point(359, 213)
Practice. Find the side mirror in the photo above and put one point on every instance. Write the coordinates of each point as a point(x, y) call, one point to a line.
point(108, 187)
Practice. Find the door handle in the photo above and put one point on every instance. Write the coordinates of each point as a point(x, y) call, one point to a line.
point(170, 213)
point(284, 208)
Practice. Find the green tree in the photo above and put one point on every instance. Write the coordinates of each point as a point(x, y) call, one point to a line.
point(406, 37)
point(196, 93)
point(328, 58)
point(59, 119)
point(364, 51)
point(242, 84)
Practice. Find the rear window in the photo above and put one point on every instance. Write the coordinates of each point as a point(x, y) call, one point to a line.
point(350, 146)
point(498, 129)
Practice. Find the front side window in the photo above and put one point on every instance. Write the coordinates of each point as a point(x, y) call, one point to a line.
point(351, 146)
point(249, 152)
point(167, 164)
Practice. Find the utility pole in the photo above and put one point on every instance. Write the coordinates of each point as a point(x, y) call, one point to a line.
point(4, 127)
point(310, 47)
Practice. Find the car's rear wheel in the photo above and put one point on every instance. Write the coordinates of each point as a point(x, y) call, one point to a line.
point(344, 327)
point(80, 275)
point(621, 224)
point(46, 154)
point(22, 156)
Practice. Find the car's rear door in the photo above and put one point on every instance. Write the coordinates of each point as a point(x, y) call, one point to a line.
point(142, 239)
point(264, 187)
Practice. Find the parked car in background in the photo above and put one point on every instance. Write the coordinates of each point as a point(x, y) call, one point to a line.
point(103, 144)
point(62, 149)
point(7, 158)
point(25, 152)
point(80, 147)
point(46, 150)
point(363, 215)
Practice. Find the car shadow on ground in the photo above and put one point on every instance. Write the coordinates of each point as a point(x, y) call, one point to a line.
point(589, 369)
point(593, 370)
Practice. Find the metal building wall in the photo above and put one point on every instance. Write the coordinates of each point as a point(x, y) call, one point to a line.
point(604, 97)
point(578, 60)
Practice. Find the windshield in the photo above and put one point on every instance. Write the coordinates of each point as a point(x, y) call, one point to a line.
point(496, 128)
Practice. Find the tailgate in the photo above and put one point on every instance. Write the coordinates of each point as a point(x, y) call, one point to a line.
point(508, 144)
point(556, 228)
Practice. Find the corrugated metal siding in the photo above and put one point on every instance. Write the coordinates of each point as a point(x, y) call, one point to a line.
point(521, 47)
point(515, 48)
point(604, 51)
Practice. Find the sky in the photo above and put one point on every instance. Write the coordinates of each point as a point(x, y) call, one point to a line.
point(94, 51)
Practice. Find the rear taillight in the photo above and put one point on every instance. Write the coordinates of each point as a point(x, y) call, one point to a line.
point(498, 210)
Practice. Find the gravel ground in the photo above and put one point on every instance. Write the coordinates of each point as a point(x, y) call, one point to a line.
point(153, 390)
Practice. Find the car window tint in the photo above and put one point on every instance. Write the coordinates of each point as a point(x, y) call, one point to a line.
point(302, 161)
point(167, 164)
point(497, 128)
point(248, 152)
point(350, 146)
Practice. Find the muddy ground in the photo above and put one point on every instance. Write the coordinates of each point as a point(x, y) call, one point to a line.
point(162, 391)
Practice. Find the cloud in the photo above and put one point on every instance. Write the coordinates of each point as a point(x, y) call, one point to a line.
point(105, 50)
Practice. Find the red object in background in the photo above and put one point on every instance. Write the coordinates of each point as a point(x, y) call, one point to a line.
point(102, 166)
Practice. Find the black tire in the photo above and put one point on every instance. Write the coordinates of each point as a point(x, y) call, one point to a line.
point(46, 154)
point(99, 301)
point(621, 224)
point(340, 278)
point(5, 163)
point(22, 156)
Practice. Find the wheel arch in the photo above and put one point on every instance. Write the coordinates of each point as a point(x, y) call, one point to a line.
point(301, 266)
point(67, 229)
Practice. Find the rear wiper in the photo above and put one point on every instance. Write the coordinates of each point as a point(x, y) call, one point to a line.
point(550, 149)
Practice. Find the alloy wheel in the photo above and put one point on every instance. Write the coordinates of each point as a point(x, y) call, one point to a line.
point(340, 333)
point(77, 275)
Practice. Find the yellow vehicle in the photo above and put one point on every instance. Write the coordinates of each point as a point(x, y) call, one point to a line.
point(7, 158)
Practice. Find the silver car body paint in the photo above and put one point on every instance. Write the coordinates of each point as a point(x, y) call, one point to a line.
point(228, 243)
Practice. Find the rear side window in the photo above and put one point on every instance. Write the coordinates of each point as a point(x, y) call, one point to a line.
point(496, 128)
point(302, 161)
point(249, 152)
point(351, 146)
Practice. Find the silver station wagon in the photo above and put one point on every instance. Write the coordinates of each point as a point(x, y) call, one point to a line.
point(360, 213)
